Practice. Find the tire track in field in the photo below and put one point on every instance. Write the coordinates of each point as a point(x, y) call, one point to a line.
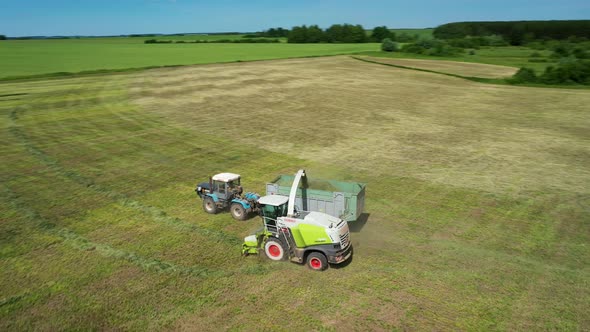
point(79, 242)
point(155, 213)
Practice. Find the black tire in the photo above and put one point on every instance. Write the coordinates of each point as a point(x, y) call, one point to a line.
point(317, 261)
point(275, 249)
point(209, 205)
point(238, 212)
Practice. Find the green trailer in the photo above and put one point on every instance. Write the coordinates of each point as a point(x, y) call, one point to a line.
point(345, 200)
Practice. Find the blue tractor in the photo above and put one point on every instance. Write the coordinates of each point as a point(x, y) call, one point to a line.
point(222, 191)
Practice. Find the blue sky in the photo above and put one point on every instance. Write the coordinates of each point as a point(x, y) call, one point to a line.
point(110, 17)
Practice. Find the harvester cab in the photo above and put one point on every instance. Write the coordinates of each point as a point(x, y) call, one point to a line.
point(314, 238)
point(224, 190)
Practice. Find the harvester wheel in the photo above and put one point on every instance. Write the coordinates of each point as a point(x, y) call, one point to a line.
point(209, 205)
point(275, 249)
point(317, 261)
point(238, 212)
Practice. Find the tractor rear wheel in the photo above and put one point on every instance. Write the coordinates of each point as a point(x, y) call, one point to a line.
point(317, 261)
point(275, 249)
point(209, 205)
point(238, 212)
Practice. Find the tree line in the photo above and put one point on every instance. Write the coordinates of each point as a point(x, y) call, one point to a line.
point(218, 41)
point(345, 33)
point(516, 32)
point(272, 33)
point(337, 33)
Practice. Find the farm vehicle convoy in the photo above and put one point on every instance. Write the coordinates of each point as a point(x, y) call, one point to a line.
point(317, 234)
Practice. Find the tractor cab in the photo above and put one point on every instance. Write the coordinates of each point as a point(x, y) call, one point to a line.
point(223, 185)
point(226, 185)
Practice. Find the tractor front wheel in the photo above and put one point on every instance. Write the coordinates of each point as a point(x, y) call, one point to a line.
point(317, 261)
point(209, 205)
point(275, 249)
point(238, 212)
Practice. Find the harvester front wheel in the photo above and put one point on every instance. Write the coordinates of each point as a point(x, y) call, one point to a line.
point(275, 249)
point(209, 205)
point(317, 261)
point(238, 212)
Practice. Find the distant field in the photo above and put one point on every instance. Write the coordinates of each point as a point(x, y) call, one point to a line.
point(478, 200)
point(140, 40)
point(192, 37)
point(512, 56)
point(421, 33)
point(33, 57)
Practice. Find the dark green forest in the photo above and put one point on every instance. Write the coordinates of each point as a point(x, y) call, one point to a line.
point(516, 32)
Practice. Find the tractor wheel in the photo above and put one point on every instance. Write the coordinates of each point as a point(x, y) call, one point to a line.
point(209, 205)
point(238, 212)
point(317, 261)
point(275, 249)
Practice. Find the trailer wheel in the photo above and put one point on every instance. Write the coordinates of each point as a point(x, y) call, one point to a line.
point(238, 212)
point(317, 261)
point(275, 249)
point(209, 205)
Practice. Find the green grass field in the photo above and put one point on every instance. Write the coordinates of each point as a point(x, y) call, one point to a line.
point(190, 37)
point(478, 200)
point(34, 57)
point(512, 56)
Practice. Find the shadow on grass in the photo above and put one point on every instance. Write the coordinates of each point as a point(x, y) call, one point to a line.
point(17, 95)
point(13, 95)
point(357, 226)
point(345, 264)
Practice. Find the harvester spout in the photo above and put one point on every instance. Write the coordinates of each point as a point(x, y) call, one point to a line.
point(293, 193)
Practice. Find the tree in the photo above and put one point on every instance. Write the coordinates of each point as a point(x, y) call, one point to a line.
point(298, 35)
point(314, 34)
point(516, 36)
point(282, 32)
point(524, 75)
point(389, 45)
point(358, 34)
point(581, 53)
point(335, 33)
point(380, 33)
point(346, 33)
point(276, 32)
point(560, 51)
point(568, 71)
point(2, 37)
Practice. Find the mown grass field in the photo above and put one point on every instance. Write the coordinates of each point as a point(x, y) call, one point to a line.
point(465, 69)
point(35, 57)
point(478, 199)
